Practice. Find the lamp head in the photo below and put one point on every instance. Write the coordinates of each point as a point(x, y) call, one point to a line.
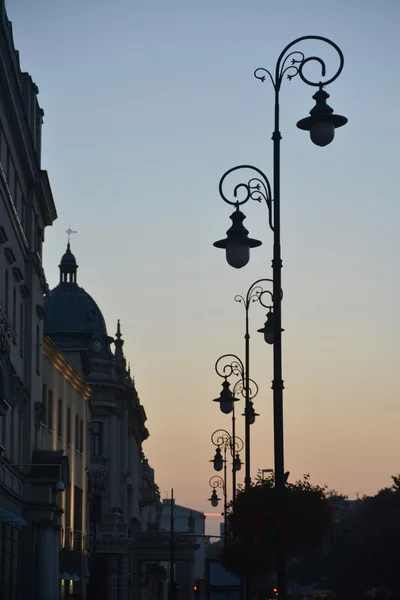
point(237, 243)
point(226, 398)
point(251, 414)
point(237, 463)
point(322, 122)
point(218, 461)
point(214, 498)
point(268, 329)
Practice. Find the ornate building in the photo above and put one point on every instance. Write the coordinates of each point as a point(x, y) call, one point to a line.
point(26, 209)
point(76, 326)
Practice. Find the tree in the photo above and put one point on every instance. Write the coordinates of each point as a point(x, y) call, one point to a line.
point(264, 520)
point(363, 554)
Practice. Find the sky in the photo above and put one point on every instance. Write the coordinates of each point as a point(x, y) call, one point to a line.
point(147, 103)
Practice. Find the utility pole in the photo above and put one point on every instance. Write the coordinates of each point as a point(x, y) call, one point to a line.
point(172, 552)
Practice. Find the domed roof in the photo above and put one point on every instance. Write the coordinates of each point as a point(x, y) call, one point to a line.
point(68, 308)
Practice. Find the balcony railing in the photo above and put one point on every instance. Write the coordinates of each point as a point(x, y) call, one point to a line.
point(78, 540)
point(68, 538)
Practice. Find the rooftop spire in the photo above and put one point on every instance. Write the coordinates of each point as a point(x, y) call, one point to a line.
point(119, 354)
point(68, 266)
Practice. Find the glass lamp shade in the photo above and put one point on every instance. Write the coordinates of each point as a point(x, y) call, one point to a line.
point(322, 133)
point(268, 329)
point(218, 461)
point(237, 254)
point(252, 416)
point(226, 405)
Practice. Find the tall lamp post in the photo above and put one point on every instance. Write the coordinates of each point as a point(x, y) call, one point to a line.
point(219, 482)
point(232, 365)
point(232, 443)
point(321, 124)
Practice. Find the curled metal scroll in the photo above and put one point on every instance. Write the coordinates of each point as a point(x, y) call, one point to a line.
point(216, 482)
point(223, 439)
point(256, 293)
point(240, 388)
point(257, 188)
point(234, 367)
point(292, 64)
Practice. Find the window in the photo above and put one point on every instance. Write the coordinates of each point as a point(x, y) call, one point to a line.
point(69, 426)
point(81, 436)
point(38, 349)
point(59, 418)
point(78, 494)
point(77, 433)
point(21, 329)
point(50, 410)
point(7, 292)
point(96, 438)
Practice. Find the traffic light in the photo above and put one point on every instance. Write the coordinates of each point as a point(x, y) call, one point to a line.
point(276, 592)
point(196, 590)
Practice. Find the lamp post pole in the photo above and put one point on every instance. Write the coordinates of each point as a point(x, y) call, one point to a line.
point(321, 124)
point(219, 482)
point(254, 293)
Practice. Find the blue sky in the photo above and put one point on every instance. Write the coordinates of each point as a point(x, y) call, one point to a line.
point(147, 104)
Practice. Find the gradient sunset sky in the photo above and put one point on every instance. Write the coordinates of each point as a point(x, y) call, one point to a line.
point(147, 103)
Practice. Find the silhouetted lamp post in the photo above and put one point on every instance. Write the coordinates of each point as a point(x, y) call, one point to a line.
point(321, 124)
point(226, 442)
point(226, 366)
point(219, 482)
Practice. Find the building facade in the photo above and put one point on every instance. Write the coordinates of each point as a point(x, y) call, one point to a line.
point(66, 413)
point(76, 326)
point(26, 209)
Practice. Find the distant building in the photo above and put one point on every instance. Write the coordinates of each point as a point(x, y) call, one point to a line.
point(77, 327)
point(187, 521)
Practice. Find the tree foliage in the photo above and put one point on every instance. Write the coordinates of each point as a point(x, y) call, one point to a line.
point(264, 521)
point(363, 553)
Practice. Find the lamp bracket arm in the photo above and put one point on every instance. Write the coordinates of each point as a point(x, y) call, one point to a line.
point(292, 64)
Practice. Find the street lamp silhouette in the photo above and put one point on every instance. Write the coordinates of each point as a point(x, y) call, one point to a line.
point(321, 125)
point(226, 366)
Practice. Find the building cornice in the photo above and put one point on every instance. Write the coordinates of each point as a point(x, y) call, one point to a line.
point(59, 362)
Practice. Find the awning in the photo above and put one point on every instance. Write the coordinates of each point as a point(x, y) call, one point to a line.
point(68, 577)
point(12, 518)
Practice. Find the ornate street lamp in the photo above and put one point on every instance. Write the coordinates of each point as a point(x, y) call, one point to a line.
point(229, 443)
point(219, 482)
point(226, 366)
point(321, 124)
